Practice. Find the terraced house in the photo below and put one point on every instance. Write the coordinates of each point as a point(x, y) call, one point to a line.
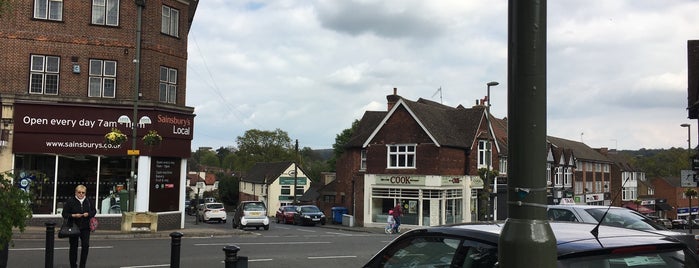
point(73, 71)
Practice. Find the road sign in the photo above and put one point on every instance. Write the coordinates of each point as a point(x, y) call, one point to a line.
point(688, 178)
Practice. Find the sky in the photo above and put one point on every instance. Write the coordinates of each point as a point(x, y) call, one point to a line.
point(616, 70)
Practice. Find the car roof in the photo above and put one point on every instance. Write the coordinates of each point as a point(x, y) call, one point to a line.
point(570, 237)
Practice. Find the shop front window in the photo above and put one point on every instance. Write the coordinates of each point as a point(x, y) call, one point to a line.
point(35, 174)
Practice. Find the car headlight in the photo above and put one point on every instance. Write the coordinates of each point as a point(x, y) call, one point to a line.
point(306, 216)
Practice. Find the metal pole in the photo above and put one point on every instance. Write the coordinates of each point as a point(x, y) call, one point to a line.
point(493, 197)
point(48, 256)
point(691, 222)
point(296, 176)
point(527, 238)
point(137, 82)
point(232, 259)
point(175, 245)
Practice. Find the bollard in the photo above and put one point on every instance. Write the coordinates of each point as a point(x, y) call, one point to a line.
point(48, 256)
point(232, 259)
point(175, 249)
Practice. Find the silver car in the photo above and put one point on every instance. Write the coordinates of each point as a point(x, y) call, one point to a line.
point(251, 214)
point(616, 216)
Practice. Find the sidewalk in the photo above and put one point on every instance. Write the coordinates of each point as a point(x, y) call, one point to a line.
point(190, 230)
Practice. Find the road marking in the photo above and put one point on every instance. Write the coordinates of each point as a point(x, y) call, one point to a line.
point(264, 243)
point(145, 266)
point(305, 230)
point(338, 233)
point(331, 257)
point(58, 248)
point(260, 260)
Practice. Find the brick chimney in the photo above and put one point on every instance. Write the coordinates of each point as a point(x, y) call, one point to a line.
point(392, 99)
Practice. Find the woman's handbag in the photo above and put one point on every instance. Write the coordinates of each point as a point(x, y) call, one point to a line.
point(93, 224)
point(68, 229)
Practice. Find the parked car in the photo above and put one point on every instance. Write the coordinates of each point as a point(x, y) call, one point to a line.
point(617, 217)
point(309, 215)
point(191, 209)
point(285, 214)
point(664, 222)
point(251, 214)
point(679, 224)
point(476, 245)
point(211, 211)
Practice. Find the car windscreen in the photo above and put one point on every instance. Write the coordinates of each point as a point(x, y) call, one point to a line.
point(625, 218)
point(289, 209)
point(310, 209)
point(254, 207)
point(214, 206)
point(630, 258)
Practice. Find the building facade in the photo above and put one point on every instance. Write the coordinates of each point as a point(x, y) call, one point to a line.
point(74, 71)
point(276, 184)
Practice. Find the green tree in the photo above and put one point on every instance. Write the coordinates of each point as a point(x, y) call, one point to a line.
point(210, 159)
point(488, 176)
point(15, 209)
point(660, 163)
point(313, 163)
point(228, 187)
point(340, 142)
point(263, 146)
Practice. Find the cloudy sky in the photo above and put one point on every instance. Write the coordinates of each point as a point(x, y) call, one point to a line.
point(616, 78)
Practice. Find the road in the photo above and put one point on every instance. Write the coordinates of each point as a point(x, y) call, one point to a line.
point(282, 246)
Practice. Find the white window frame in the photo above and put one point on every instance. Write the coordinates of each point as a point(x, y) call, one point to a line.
point(170, 21)
point(105, 12)
point(168, 85)
point(44, 68)
point(362, 160)
point(102, 75)
point(567, 176)
point(48, 10)
point(548, 174)
point(401, 155)
point(485, 154)
point(558, 176)
point(503, 166)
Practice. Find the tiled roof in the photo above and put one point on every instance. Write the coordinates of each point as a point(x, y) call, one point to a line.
point(266, 172)
point(580, 150)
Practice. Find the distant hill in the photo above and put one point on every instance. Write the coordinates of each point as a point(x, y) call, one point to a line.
point(325, 154)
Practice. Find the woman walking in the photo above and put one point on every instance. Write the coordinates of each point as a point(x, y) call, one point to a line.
point(79, 210)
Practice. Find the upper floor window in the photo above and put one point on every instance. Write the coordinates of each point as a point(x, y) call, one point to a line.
point(48, 9)
point(362, 164)
point(548, 173)
point(44, 74)
point(102, 78)
point(170, 21)
point(105, 12)
point(557, 176)
point(503, 166)
point(484, 154)
point(168, 84)
point(401, 156)
point(568, 177)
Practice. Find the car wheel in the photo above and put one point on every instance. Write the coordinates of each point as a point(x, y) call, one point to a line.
point(257, 227)
point(224, 221)
point(266, 227)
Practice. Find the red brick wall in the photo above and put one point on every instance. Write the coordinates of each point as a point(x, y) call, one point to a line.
point(75, 37)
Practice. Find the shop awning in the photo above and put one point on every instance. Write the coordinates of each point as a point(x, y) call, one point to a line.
point(641, 209)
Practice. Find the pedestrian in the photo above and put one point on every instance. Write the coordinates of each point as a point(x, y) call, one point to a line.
point(79, 210)
point(397, 213)
point(391, 222)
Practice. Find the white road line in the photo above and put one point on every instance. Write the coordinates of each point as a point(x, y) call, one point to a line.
point(331, 257)
point(145, 266)
point(338, 233)
point(264, 243)
point(304, 230)
point(58, 248)
point(255, 260)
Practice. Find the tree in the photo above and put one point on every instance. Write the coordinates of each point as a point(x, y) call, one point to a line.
point(340, 143)
point(660, 163)
point(263, 146)
point(228, 187)
point(484, 198)
point(14, 213)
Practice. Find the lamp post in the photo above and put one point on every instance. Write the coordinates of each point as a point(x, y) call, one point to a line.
point(494, 197)
point(689, 141)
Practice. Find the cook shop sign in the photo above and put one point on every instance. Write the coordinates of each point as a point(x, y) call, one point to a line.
point(401, 180)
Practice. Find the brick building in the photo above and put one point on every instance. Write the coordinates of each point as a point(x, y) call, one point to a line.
point(74, 70)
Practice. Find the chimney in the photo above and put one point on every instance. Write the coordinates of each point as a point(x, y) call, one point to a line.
point(392, 99)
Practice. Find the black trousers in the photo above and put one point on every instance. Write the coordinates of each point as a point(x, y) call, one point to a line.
point(84, 245)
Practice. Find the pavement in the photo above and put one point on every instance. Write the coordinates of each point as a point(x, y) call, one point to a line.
point(189, 230)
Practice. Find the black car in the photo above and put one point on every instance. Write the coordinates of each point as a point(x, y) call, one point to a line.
point(191, 208)
point(309, 215)
point(476, 245)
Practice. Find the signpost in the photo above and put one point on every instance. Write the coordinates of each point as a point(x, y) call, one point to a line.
point(688, 178)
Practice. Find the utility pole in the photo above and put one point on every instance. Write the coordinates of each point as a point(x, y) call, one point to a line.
point(296, 172)
point(527, 238)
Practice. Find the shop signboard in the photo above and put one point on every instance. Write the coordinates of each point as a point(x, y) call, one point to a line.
point(290, 181)
point(400, 180)
point(164, 184)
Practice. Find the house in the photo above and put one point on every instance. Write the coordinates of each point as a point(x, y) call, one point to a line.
point(74, 71)
point(275, 183)
point(422, 155)
point(670, 189)
point(575, 164)
point(200, 182)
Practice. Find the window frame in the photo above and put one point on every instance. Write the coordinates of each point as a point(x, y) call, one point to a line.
point(167, 88)
point(485, 154)
point(53, 11)
point(105, 11)
point(103, 78)
point(362, 159)
point(401, 159)
point(170, 21)
point(50, 67)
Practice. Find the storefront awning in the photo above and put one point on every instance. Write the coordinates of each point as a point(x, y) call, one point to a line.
point(641, 209)
point(663, 206)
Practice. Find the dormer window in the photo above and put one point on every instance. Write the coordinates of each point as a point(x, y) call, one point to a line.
point(401, 156)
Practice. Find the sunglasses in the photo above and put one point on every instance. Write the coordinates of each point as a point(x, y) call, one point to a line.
point(80, 192)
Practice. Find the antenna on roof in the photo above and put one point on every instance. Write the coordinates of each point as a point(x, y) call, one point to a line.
point(439, 90)
point(595, 231)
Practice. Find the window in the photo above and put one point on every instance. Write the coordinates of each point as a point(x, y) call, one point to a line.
point(503, 166)
point(44, 75)
point(484, 154)
point(105, 12)
point(362, 164)
point(568, 176)
point(168, 84)
point(401, 156)
point(286, 190)
point(102, 78)
point(548, 173)
point(557, 176)
point(299, 190)
point(170, 22)
point(48, 9)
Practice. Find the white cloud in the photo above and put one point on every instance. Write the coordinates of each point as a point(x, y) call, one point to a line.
point(616, 69)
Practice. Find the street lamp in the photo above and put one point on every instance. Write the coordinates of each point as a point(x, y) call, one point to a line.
point(490, 154)
point(689, 137)
point(145, 120)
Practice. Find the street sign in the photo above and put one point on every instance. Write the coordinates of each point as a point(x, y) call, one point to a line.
point(688, 178)
point(133, 152)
